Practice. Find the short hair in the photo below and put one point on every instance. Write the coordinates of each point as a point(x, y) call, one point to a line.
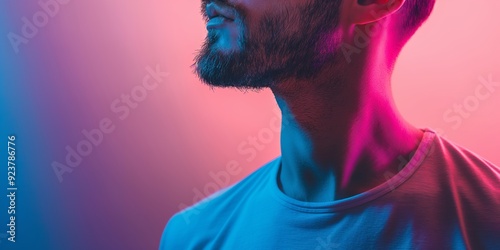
point(413, 14)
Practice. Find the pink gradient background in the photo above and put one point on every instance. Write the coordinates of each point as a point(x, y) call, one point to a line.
point(122, 195)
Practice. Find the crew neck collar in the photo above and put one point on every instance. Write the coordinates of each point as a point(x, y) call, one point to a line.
point(356, 200)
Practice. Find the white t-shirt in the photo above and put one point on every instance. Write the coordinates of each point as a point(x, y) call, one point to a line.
point(445, 197)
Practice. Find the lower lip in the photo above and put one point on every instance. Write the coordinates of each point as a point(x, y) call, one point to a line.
point(216, 22)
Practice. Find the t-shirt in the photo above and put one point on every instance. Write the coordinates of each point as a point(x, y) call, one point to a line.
point(445, 197)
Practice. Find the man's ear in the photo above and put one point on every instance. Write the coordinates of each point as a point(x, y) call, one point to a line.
point(368, 11)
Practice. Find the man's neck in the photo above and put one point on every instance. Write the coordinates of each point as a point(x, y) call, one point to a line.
point(341, 138)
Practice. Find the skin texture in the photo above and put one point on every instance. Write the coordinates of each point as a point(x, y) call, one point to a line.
point(341, 132)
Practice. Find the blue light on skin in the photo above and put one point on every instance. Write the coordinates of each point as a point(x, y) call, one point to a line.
point(227, 33)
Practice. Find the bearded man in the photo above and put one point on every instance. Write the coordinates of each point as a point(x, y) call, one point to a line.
point(352, 173)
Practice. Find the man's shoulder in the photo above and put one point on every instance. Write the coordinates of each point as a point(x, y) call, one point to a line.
point(209, 213)
point(469, 186)
point(466, 159)
point(468, 171)
point(231, 195)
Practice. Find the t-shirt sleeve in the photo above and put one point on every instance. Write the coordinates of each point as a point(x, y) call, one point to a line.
point(172, 234)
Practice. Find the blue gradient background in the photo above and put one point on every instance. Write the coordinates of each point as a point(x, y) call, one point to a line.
point(121, 195)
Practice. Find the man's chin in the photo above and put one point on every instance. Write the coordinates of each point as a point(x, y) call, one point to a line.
point(229, 70)
point(230, 82)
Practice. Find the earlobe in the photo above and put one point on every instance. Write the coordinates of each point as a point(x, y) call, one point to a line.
point(368, 11)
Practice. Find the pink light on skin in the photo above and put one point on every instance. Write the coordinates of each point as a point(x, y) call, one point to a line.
point(346, 115)
point(367, 132)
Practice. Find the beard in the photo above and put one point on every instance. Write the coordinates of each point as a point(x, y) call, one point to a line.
point(296, 42)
